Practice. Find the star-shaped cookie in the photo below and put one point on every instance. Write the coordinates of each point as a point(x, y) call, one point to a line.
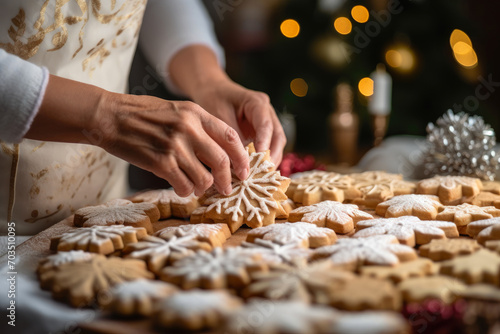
point(465, 213)
point(446, 249)
point(424, 207)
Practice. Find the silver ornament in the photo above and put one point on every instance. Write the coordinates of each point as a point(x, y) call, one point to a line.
point(460, 144)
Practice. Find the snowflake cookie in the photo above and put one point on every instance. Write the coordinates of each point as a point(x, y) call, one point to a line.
point(474, 228)
point(214, 234)
point(158, 252)
point(54, 261)
point(486, 199)
point(195, 310)
point(276, 252)
point(416, 268)
point(446, 249)
point(377, 186)
point(98, 239)
point(278, 317)
point(316, 186)
point(255, 201)
point(137, 297)
point(465, 213)
point(419, 289)
point(382, 250)
point(218, 269)
point(363, 293)
point(307, 234)
point(408, 230)
point(310, 283)
point(339, 217)
point(482, 266)
point(169, 203)
point(118, 212)
point(450, 189)
point(421, 206)
point(80, 282)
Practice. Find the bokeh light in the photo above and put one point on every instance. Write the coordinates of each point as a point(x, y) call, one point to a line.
point(290, 28)
point(299, 87)
point(462, 48)
point(400, 57)
point(459, 36)
point(360, 14)
point(365, 86)
point(343, 25)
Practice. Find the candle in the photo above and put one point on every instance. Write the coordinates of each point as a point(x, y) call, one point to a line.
point(380, 102)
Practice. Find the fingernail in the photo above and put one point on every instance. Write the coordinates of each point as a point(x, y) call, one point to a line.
point(228, 191)
point(243, 173)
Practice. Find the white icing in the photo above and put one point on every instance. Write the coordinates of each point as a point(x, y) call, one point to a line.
point(205, 231)
point(114, 212)
point(277, 252)
point(291, 232)
point(96, 235)
point(255, 189)
point(61, 258)
point(403, 228)
point(165, 196)
point(369, 322)
point(331, 211)
point(198, 302)
point(379, 249)
point(142, 288)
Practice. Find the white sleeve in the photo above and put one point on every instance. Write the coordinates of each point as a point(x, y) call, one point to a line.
point(171, 25)
point(22, 86)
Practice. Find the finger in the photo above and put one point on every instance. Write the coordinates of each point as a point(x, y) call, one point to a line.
point(257, 114)
point(212, 155)
point(229, 140)
point(278, 142)
point(194, 170)
point(176, 177)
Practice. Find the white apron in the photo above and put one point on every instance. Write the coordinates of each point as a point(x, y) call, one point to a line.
point(92, 41)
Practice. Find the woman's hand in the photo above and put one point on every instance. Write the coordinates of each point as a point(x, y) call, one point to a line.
point(196, 72)
point(169, 138)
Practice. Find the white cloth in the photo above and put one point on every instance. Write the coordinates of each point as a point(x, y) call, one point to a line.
point(22, 86)
point(162, 36)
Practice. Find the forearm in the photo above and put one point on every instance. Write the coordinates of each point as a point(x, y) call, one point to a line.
point(68, 111)
point(194, 67)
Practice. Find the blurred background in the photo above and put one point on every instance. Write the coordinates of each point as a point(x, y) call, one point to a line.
point(318, 61)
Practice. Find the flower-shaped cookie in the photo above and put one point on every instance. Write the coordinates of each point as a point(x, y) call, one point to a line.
point(308, 234)
point(218, 269)
point(255, 201)
point(409, 230)
point(450, 189)
point(316, 186)
point(169, 203)
point(339, 217)
point(118, 212)
point(421, 206)
point(54, 261)
point(446, 249)
point(382, 250)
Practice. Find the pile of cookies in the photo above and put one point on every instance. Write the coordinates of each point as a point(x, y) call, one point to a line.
point(324, 253)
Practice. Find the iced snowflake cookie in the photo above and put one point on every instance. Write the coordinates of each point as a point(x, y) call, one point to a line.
point(422, 206)
point(450, 189)
point(408, 230)
point(416, 268)
point(446, 249)
point(52, 262)
point(218, 269)
point(482, 266)
point(135, 297)
point(79, 282)
point(383, 250)
point(276, 252)
point(339, 217)
point(307, 283)
point(465, 213)
point(375, 187)
point(418, 289)
point(255, 202)
point(195, 310)
point(308, 234)
point(363, 293)
point(169, 203)
point(279, 317)
point(316, 186)
point(98, 239)
point(370, 322)
point(158, 252)
point(214, 234)
point(118, 212)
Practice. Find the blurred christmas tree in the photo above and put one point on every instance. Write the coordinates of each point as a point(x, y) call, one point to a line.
point(427, 46)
